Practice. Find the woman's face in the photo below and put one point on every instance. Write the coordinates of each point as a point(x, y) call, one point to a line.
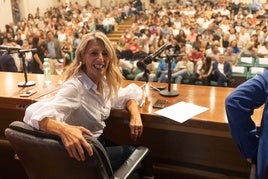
point(96, 60)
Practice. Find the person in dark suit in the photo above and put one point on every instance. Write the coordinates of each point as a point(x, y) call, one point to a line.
point(251, 140)
point(222, 71)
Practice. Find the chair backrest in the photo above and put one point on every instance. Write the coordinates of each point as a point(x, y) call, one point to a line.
point(44, 156)
point(261, 62)
point(246, 61)
point(253, 71)
point(239, 71)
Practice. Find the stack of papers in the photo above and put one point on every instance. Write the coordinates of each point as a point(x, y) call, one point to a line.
point(181, 111)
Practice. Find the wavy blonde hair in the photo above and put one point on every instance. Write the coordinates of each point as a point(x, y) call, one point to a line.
point(113, 76)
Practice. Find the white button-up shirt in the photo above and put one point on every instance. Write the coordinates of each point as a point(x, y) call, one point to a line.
point(79, 103)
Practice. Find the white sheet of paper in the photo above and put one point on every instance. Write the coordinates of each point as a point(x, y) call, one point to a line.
point(181, 111)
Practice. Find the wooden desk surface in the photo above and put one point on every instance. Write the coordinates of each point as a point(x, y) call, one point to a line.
point(201, 146)
point(211, 97)
point(10, 91)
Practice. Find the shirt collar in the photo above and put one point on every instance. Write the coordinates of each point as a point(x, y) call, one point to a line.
point(86, 81)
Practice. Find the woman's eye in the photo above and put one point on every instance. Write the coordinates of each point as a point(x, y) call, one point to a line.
point(94, 54)
point(97, 54)
point(105, 54)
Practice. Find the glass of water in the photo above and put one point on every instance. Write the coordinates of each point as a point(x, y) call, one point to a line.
point(59, 67)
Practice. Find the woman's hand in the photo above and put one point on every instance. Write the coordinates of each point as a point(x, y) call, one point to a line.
point(71, 136)
point(136, 127)
point(74, 141)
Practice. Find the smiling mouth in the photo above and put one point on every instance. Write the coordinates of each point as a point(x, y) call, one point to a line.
point(98, 66)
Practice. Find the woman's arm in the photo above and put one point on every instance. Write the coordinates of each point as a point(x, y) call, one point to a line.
point(135, 124)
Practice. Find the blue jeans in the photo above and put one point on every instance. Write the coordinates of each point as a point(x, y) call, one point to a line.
point(116, 153)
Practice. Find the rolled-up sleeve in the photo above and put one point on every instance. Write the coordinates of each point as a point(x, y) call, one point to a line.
point(58, 107)
point(132, 91)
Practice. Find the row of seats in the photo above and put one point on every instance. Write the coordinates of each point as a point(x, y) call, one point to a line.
point(248, 67)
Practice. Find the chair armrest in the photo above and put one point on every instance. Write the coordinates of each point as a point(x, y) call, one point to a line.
point(23, 127)
point(131, 163)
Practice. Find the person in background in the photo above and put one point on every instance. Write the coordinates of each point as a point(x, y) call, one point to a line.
point(91, 88)
point(251, 140)
point(184, 69)
point(162, 70)
point(203, 69)
point(249, 50)
point(54, 51)
point(222, 71)
point(262, 51)
point(147, 74)
point(38, 55)
point(230, 56)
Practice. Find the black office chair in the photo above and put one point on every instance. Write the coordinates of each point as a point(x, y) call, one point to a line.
point(44, 156)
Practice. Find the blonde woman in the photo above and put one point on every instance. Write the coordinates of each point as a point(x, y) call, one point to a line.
point(91, 89)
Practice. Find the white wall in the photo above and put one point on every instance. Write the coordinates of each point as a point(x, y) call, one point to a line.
point(5, 13)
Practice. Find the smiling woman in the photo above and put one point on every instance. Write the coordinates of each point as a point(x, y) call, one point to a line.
point(91, 88)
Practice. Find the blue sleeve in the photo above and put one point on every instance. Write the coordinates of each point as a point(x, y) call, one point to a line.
point(240, 105)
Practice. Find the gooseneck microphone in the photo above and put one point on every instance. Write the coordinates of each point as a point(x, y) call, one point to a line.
point(147, 60)
point(142, 64)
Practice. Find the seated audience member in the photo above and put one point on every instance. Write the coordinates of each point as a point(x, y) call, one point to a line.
point(7, 63)
point(249, 50)
point(66, 52)
point(184, 69)
point(231, 57)
point(222, 71)
point(236, 49)
point(134, 47)
point(203, 70)
point(263, 50)
point(252, 141)
point(38, 56)
point(148, 73)
point(214, 51)
point(162, 70)
point(196, 55)
point(92, 87)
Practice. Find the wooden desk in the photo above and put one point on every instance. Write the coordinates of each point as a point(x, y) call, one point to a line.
point(12, 106)
point(200, 147)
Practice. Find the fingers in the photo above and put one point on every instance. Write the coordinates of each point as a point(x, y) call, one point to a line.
point(76, 145)
point(136, 131)
point(86, 131)
point(76, 150)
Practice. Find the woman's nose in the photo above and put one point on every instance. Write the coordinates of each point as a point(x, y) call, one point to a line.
point(100, 56)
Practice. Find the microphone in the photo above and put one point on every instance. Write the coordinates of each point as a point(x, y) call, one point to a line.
point(141, 65)
point(147, 60)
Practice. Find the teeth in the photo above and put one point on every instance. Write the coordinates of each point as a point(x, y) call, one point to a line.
point(99, 66)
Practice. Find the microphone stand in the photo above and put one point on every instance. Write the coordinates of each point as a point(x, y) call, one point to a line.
point(169, 92)
point(25, 83)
